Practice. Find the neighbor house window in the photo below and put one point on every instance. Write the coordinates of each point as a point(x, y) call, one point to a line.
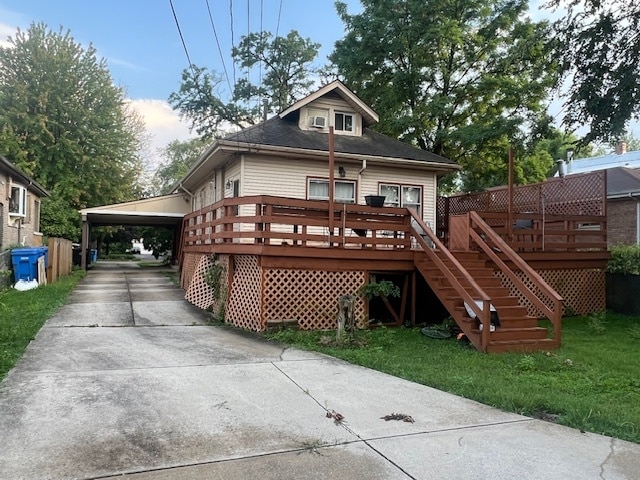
point(344, 191)
point(18, 201)
point(344, 122)
point(406, 196)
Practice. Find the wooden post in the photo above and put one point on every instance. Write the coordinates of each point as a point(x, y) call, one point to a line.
point(510, 210)
point(331, 180)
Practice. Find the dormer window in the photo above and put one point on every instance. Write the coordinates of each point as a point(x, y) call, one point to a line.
point(344, 122)
point(18, 201)
point(317, 118)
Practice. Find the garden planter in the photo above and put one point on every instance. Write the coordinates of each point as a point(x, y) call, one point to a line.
point(375, 200)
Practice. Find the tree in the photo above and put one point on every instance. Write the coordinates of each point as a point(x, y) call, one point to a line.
point(67, 125)
point(598, 49)
point(288, 75)
point(179, 157)
point(464, 79)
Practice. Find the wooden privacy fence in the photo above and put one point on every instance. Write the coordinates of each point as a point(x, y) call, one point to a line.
point(60, 259)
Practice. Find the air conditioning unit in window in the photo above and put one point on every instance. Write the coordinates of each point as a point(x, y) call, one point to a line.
point(318, 121)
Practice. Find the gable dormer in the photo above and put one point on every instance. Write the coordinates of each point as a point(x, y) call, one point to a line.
point(334, 105)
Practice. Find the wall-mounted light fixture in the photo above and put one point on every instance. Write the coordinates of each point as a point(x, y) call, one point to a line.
point(342, 172)
point(228, 184)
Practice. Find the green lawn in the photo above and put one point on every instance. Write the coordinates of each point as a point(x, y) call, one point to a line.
point(23, 313)
point(591, 383)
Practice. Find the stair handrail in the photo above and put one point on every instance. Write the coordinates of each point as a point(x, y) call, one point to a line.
point(490, 236)
point(482, 314)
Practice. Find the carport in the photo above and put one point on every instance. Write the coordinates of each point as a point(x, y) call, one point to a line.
point(164, 211)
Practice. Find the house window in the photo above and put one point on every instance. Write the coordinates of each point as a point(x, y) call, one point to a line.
point(36, 215)
point(18, 201)
point(344, 122)
point(344, 191)
point(406, 196)
point(317, 118)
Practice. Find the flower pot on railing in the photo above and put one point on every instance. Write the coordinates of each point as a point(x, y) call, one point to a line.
point(375, 200)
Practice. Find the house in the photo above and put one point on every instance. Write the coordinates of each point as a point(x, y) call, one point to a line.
point(273, 227)
point(269, 242)
point(19, 207)
point(623, 206)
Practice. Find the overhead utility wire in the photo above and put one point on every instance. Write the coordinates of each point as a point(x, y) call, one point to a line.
point(278, 24)
point(184, 45)
point(215, 33)
point(233, 43)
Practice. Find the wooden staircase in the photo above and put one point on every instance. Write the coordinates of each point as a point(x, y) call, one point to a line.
point(471, 276)
point(517, 332)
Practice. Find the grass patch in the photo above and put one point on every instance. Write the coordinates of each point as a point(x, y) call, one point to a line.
point(23, 313)
point(592, 383)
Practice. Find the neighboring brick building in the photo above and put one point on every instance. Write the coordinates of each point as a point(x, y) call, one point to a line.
point(623, 206)
point(20, 198)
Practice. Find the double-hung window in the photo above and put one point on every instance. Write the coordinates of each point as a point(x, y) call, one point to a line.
point(406, 196)
point(344, 122)
point(344, 190)
point(18, 201)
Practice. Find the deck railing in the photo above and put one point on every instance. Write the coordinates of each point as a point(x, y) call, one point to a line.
point(262, 221)
point(529, 283)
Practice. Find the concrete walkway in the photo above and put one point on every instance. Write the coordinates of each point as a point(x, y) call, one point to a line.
point(128, 381)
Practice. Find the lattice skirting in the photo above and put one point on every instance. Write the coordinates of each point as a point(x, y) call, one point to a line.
point(309, 296)
point(245, 299)
point(583, 291)
point(189, 264)
point(199, 292)
point(258, 295)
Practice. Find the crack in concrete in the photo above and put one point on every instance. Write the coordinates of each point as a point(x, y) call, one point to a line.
point(344, 425)
point(606, 460)
point(133, 316)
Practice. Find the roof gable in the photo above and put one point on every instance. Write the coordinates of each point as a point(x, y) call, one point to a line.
point(369, 117)
point(15, 172)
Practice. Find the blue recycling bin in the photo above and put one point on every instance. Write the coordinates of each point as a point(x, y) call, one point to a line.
point(25, 262)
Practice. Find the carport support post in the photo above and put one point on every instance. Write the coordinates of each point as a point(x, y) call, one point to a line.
point(84, 246)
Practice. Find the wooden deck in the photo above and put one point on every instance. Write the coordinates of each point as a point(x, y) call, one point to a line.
point(289, 235)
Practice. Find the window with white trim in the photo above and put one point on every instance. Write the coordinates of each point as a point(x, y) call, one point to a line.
point(18, 201)
point(344, 190)
point(406, 196)
point(344, 122)
point(317, 118)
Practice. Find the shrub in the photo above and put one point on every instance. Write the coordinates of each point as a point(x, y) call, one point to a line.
point(624, 259)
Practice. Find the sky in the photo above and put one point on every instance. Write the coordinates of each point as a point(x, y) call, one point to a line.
point(140, 41)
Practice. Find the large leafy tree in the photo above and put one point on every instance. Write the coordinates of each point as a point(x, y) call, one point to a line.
point(178, 157)
point(461, 78)
point(287, 74)
point(599, 52)
point(67, 125)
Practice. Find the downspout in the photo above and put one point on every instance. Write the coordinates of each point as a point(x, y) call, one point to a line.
point(364, 167)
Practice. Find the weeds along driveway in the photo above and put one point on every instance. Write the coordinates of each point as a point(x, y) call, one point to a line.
point(129, 379)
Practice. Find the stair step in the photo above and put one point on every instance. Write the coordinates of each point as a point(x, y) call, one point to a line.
point(522, 345)
point(510, 334)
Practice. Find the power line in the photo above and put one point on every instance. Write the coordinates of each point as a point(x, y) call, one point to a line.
point(184, 45)
point(278, 24)
point(215, 33)
point(233, 43)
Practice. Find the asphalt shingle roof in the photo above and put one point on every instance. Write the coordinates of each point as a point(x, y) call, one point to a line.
point(622, 180)
point(286, 133)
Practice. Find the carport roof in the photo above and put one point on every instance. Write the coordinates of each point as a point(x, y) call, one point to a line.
point(167, 210)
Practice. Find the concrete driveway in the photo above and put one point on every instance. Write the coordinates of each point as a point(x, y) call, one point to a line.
point(129, 381)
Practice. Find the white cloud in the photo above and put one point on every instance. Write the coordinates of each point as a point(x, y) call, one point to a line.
point(162, 123)
point(6, 31)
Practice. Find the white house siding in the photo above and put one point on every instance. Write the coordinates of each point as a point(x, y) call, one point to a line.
point(331, 105)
